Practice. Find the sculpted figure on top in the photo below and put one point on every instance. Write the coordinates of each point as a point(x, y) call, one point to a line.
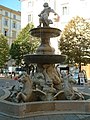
point(45, 14)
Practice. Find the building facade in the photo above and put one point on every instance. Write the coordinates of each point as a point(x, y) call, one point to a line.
point(72, 8)
point(10, 23)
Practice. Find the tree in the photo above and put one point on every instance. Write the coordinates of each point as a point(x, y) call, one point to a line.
point(75, 41)
point(24, 44)
point(4, 50)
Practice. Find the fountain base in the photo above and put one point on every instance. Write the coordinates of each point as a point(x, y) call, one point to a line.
point(44, 110)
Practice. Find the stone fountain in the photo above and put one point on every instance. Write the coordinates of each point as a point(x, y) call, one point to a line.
point(44, 92)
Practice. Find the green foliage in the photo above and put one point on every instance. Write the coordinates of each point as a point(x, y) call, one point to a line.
point(24, 35)
point(4, 50)
point(75, 41)
point(24, 44)
point(15, 52)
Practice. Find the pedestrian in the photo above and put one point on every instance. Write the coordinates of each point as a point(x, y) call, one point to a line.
point(85, 76)
point(81, 79)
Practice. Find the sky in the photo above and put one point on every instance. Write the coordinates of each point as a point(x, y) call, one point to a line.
point(12, 4)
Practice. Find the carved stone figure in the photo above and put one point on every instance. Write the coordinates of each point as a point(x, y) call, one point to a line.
point(69, 92)
point(26, 94)
point(48, 80)
point(38, 80)
point(53, 76)
point(45, 14)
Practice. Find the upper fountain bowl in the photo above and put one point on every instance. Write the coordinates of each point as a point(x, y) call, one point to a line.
point(45, 31)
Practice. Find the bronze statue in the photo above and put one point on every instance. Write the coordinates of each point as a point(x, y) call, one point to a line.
point(45, 14)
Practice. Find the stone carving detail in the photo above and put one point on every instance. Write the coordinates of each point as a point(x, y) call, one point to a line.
point(26, 94)
point(42, 87)
point(69, 92)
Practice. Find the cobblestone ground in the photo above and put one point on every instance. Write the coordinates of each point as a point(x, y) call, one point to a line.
point(5, 82)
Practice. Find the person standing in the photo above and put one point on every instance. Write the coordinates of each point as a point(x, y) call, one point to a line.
point(81, 79)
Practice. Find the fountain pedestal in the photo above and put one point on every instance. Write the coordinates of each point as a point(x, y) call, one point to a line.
point(45, 54)
point(45, 58)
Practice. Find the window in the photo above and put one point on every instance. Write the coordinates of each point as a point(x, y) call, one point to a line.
point(5, 22)
point(14, 25)
point(14, 16)
point(64, 10)
point(30, 4)
point(29, 18)
point(6, 13)
point(13, 34)
point(0, 11)
point(5, 32)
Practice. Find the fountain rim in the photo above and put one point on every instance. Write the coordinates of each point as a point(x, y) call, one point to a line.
point(45, 32)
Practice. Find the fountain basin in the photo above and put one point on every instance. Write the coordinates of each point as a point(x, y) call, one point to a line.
point(45, 31)
point(44, 59)
point(38, 110)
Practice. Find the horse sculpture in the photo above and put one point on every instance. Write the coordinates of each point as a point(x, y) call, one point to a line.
point(68, 92)
point(29, 94)
point(26, 94)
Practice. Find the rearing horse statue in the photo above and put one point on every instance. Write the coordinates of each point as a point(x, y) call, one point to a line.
point(26, 94)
